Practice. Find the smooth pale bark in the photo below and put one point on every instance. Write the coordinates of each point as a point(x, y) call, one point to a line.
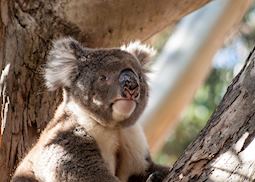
point(26, 31)
point(111, 23)
point(224, 150)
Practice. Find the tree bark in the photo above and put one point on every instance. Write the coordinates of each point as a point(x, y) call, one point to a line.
point(224, 150)
point(26, 30)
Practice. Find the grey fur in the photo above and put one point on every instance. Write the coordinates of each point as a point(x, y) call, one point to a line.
point(84, 142)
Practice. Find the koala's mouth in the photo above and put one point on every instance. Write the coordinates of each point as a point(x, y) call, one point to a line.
point(122, 109)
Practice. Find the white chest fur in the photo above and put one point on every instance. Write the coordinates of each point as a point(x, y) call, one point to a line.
point(130, 143)
point(133, 152)
point(106, 138)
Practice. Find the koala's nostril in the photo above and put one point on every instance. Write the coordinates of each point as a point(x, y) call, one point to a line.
point(130, 94)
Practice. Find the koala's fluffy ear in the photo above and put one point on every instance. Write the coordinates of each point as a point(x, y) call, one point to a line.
point(143, 52)
point(61, 67)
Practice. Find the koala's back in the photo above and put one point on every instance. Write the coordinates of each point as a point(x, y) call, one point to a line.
point(64, 152)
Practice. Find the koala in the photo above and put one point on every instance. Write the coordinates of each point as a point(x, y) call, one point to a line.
point(94, 136)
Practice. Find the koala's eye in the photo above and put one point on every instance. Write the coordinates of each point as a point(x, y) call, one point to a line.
point(102, 78)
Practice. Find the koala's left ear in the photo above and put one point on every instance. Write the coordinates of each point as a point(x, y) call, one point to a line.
point(143, 52)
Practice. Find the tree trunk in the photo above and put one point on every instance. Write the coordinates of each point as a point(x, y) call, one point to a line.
point(26, 31)
point(225, 148)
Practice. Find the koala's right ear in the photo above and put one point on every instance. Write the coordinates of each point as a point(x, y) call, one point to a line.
point(62, 65)
point(141, 51)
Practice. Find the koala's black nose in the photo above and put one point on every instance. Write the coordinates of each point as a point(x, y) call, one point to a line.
point(129, 84)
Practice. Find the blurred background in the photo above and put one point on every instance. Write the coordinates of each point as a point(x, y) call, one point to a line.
point(181, 66)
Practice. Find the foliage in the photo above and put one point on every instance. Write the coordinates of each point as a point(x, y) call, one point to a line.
point(197, 114)
point(209, 95)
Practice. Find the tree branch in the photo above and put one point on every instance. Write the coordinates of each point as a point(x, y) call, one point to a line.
point(111, 23)
point(224, 150)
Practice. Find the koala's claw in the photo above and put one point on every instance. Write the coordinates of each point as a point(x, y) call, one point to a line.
point(155, 177)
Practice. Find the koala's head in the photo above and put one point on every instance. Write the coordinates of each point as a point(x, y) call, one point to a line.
point(108, 84)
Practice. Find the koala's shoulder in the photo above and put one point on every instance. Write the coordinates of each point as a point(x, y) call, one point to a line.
point(63, 130)
point(74, 140)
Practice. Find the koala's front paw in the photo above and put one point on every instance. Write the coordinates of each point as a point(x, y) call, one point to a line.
point(155, 177)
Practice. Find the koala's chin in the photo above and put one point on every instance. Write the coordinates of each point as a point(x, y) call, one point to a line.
point(122, 109)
